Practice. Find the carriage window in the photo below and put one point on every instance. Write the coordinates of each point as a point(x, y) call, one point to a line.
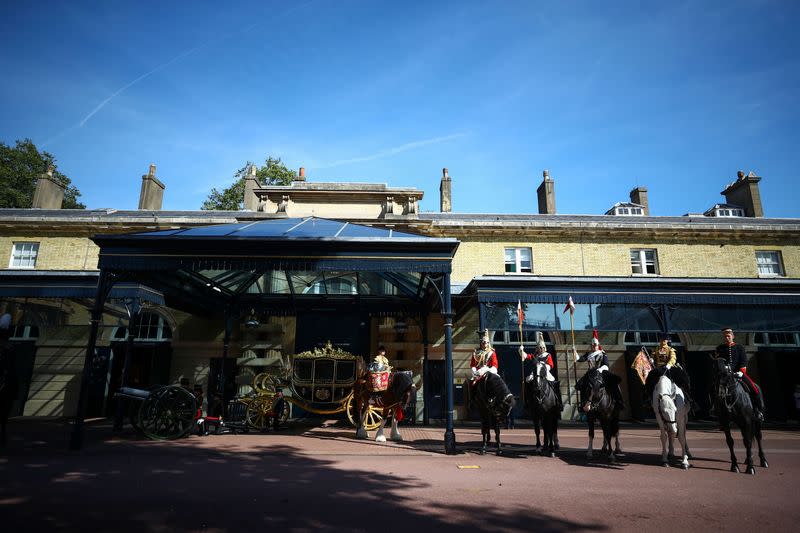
point(345, 370)
point(518, 260)
point(303, 369)
point(644, 261)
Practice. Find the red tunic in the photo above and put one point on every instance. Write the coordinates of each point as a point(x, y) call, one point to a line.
point(548, 361)
point(490, 361)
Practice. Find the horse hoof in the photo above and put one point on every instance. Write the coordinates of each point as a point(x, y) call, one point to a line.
point(764, 463)
point(751, 470)
point(499, 452)
point(665, 465)
point(482, 452)
point(552, 454)
point(685, 466)
point(734, 469)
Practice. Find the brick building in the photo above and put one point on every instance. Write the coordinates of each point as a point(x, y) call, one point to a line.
point(632, 275)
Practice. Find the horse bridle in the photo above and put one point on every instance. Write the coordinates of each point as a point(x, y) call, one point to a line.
point(728, 397)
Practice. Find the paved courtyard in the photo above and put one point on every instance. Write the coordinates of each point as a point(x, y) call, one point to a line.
point(319, 478)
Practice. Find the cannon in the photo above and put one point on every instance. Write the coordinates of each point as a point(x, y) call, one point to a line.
point(163, 412)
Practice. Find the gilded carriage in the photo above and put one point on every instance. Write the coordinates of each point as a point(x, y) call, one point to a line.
point(319, 381)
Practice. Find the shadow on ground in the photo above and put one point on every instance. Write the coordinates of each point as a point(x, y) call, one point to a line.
point(119, 484)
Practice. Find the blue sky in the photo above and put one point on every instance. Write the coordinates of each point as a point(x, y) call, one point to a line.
point(675, 96)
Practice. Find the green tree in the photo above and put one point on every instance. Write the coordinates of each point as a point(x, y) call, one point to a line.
point(20, 168)
point(273, 172)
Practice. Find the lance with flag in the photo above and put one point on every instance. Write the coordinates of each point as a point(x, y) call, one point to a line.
point(520, 320)
point(571, 308)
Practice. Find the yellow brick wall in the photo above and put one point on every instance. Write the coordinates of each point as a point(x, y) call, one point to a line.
point(479, 256)
point(55, 252)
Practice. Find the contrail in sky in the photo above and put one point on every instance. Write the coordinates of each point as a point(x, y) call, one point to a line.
point(395, 150)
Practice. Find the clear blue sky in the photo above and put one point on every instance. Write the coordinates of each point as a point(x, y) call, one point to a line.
point(675, 96)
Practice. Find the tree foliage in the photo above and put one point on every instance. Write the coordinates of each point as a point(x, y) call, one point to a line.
point(273, 172)
point(20, 168)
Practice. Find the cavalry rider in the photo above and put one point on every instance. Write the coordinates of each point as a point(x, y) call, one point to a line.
point(380, 363)
point(484, 359)
point(597, 360)
point(737, 360)
point(665, 362)
point(541, 355)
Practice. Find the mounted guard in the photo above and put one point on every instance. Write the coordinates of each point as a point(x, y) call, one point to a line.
point(484, 358)
point(665, 363)
point(379, 371)
point(541, 355)
point(597, 360)
point(736, 357)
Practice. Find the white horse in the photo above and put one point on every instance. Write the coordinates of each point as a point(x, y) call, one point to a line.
point(672, 414)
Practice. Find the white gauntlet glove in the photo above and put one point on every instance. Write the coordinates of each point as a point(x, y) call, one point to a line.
point(669, 366)
point(739, 374)
point(482, 370)
point(473, 372)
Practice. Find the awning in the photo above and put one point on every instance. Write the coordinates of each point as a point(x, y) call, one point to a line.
point(599, 290)
point(288, 244)
point(68, 284)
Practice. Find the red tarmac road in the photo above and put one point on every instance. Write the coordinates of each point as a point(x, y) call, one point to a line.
point(321, 479)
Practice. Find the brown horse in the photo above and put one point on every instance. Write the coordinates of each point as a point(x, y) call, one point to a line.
point(391, 402)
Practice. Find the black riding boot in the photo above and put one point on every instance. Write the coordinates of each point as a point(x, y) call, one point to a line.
point(758, 404)
point(557, 389)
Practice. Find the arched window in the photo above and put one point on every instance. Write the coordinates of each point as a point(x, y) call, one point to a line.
point(150, 327)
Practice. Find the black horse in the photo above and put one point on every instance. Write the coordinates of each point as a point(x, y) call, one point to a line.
point(733, 404)
point(494, 402)
point(544, 408)
point(599, 404)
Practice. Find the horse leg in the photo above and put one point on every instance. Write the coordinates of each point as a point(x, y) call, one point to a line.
point(729, 441)
point(497, 436)
point(761, 456)
point(617, 446)
point(555, 434)
point(484, 435)
point(590, 420)
point(361, 432)
point(552, 421)
point(608, 435)
point(379, 436)
point(684, 446)
point(747, 434)
point(536, 428)
point(395, 433)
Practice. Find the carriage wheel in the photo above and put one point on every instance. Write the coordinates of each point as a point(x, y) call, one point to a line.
point(374, 415)
point(168, 413)
point(283, 416)
point(259, 412)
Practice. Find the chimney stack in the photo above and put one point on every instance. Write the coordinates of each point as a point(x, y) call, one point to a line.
point(250, 186)
point(301, 174)
point(445, 193)
point(639, 196)
point(546, 194)
point(744, 193)
point(49, 193)
point(152, 193)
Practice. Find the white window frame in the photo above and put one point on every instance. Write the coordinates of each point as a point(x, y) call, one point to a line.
point(158, 329)
point(642, 262)
point(777, 264)
point(730, 212)
point(24, 251)
point(630, 211)
point(517, 260)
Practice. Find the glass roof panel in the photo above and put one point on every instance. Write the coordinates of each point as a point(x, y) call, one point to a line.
point(219, 230)
point(271, 282)
point(354, 230)
point(341, 283)
point(316, 227)
point(268, 228)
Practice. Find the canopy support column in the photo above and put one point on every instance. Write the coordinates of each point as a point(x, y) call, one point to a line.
point(226, 341)
point(134, 308)
point(104, 284)
point(449, 434)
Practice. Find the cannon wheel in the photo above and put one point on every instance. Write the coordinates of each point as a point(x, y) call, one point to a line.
point(168, 413)
point(374, 416)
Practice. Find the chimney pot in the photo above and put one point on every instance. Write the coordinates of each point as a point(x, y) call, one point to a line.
point(152, 193)
point(744, 192)
point(49, 193)
point(546, 195)
point(639, 196)
point(445, 192)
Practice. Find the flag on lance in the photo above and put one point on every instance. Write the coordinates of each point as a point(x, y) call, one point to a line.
point(569, 307)
point(520, 313)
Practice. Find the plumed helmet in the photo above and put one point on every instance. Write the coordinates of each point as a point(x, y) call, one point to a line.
point(485, 335)
point(540, 344)
point(596, 340)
